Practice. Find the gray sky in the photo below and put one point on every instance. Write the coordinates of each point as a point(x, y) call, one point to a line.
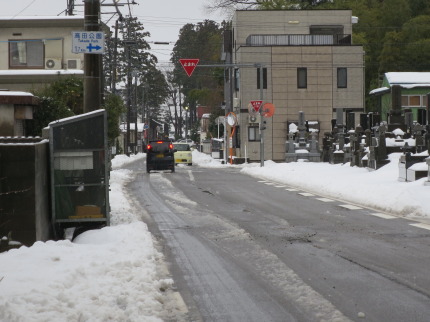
point(162, 18)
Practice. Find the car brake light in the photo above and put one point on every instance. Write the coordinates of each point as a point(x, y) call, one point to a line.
point(149, 147)
point(171, 146)
point(159, 142)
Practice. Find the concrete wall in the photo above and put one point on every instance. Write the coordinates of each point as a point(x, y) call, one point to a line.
point(24, 191)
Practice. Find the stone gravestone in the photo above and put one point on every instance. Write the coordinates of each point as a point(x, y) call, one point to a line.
point(396, 119)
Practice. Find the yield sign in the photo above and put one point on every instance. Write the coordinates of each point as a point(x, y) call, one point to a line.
point(256, 105)
point(189, 65)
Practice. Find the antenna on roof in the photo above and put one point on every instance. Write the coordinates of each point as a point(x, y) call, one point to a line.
point(70, 7)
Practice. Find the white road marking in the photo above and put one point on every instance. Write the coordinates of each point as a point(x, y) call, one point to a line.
point(424, 226)
point(350, 207)
point(262, 181)
point(377, 214)
point(190, 173)
point(270, 183)
point(291, 189)
point(306, 194)
point(325, 199)
point(280, 186)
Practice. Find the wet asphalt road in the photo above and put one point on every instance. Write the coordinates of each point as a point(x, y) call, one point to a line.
point(241, 249)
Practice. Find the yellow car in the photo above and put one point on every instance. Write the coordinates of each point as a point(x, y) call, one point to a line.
point(182, 153)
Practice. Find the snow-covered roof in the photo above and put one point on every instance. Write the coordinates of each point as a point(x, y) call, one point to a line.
point(71, 118)
point(412, 78)
point(405, 80)
point(14, 93)
point(9, 72)
point(379, 90)
point(41, 18)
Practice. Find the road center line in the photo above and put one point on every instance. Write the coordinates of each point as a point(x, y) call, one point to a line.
point(325, 199)
point(350, 207)
point(190, 173)
point(306, 194)
point(377, 214)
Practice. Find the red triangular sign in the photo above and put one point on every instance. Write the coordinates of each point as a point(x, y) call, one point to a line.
point(189, 65)
point(256, 105)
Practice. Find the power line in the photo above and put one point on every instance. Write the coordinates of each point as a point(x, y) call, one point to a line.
point(24, 8)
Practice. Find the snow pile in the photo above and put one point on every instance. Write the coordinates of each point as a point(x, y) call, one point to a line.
point(104, 275)
point(205, 160)
point(376, 189)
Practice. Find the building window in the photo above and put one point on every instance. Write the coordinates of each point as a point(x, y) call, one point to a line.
point(26, 54)
point(253, 133)
point(264, 78)
point(302, 77)
point(413, 101)
point(342, 77)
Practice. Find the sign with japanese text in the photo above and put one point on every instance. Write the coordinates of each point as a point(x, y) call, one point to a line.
point(256, 105)
point(88, 42)
point(189, 65)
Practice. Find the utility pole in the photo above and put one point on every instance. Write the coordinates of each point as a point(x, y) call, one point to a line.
point(92, 62)
point(135, 111)
point(115, 53)
point(128, 43)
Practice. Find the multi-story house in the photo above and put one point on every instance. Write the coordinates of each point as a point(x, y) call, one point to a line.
point(37, 50)
point(34, 51)
point(308, 64)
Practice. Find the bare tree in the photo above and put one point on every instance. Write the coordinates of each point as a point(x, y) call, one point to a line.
point(228, 6)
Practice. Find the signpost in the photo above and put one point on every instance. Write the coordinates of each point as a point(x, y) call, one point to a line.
point(256, 105)
point(189, 65)
point(88, 42)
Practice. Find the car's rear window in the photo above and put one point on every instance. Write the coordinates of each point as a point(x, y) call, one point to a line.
point(182, 146)
point(160, 147)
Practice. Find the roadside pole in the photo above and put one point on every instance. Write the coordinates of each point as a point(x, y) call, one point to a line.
point(92, 62)
point(190, 64)
point(261, 129)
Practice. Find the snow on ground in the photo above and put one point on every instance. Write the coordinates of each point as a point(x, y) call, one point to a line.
point(103, 275)
point(111, 274)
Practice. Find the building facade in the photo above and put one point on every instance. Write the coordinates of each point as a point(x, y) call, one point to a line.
point(37, 50)
point(308, 63)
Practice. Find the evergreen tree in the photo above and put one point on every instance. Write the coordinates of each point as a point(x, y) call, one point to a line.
point(114, 107)
point(62, 98)
point(203, 41)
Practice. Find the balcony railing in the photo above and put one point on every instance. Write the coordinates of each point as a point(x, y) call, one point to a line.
point(298, 40)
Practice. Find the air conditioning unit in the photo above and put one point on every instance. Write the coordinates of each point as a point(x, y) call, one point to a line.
point(254, 118)
point(73, 64)
point(52, 63)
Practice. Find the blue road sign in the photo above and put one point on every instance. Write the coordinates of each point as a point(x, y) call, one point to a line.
point(88, 42)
